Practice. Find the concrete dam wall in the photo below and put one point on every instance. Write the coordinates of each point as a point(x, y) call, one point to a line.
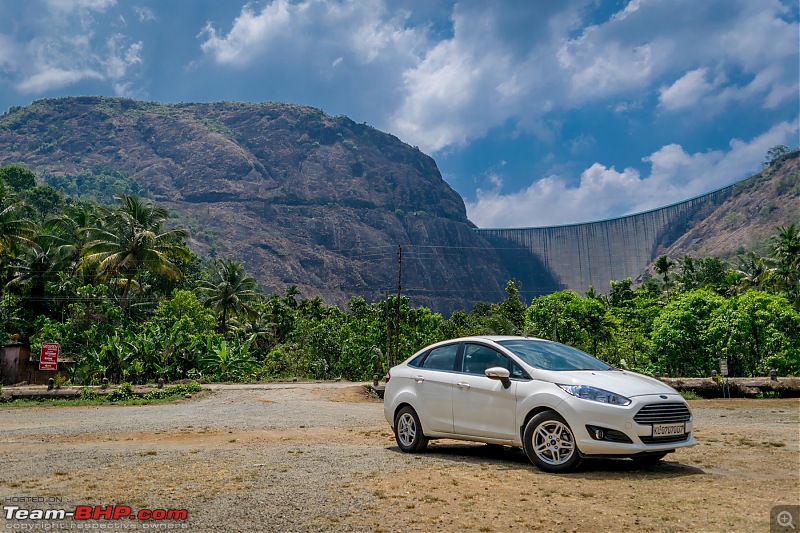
point(578, 256)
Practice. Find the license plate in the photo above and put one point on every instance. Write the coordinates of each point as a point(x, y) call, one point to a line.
point(668, 430)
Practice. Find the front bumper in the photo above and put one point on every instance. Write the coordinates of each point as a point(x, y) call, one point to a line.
point(621, 434)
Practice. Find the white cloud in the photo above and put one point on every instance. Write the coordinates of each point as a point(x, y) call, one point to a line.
point(120, 56)
point(8, 51)
point(604, 192)
point(349, 55)
point(687, 91)
point(484, 76)
point(768, 89)
point(48, 78)
point(465, 85)
point(250, 34)
point(66, 49)
point(597, 68)
point(145, 14)
point(362, 30)
point(73, 5)
point(60, 63)
point(441, 91)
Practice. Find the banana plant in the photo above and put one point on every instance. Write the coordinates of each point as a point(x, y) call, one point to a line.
point(228, 362)
point(92, 368)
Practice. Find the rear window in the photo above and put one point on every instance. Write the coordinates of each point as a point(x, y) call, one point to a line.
point(442, 358)
point(418, 359)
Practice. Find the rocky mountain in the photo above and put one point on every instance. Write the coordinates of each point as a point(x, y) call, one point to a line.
point(299, 196)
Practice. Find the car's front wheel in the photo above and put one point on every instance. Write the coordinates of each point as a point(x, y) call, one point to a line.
point(550, 444)
point(408, 431)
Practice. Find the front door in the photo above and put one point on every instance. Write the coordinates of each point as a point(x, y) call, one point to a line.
point(483, 407)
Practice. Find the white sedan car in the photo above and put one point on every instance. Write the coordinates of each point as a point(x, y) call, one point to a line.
point(556, 402)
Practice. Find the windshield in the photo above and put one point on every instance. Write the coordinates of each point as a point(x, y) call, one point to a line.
point(548, 355)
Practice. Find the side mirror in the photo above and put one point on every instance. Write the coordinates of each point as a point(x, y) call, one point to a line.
point(498, 372)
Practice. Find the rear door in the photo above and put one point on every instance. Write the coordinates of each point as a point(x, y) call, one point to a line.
point(433, 384)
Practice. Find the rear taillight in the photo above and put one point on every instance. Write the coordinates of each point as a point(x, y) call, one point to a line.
point(387, 377)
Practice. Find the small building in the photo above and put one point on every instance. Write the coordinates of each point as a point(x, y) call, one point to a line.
point(16, 366)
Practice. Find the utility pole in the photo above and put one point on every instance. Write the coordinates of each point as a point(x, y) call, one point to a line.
point(388, 351)
point(397, 322)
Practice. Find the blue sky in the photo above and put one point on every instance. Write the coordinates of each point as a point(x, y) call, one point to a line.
point(537, 112)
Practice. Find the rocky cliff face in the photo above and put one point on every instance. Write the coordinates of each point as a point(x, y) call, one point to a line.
point(301, 197)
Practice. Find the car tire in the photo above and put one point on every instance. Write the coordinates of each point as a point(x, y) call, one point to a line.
point(550, 444)
point(648, 460)
point(408, 431)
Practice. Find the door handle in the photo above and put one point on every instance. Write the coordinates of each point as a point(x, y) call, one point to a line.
point(463, 384)
point(419, 379)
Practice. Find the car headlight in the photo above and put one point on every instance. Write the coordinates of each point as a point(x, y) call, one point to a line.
point(595, 394)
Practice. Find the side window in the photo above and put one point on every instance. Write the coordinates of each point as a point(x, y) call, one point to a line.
point(517, 372)
point(478, 358)
point(443, 358)
point(418, 359)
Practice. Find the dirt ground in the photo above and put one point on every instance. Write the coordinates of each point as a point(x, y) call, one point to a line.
point(729, 482)
point(343, 472)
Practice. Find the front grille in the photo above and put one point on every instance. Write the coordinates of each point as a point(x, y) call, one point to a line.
point(664, 440)
point(663, 413)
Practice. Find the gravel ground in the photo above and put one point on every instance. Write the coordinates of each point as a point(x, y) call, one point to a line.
point(274, 457)
point(320, 457)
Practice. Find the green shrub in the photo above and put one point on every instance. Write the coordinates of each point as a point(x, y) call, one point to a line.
point(690, 395)
point(123, 392)
point(88, 394)
point(174, 391)
point(60, 380)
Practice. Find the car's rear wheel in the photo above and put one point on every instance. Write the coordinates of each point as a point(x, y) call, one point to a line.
point(408, 431)
point(550, 444)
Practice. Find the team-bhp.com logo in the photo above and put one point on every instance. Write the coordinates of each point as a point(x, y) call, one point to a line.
point(95, 512)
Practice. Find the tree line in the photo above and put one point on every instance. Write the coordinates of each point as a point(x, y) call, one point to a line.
point(127, 300)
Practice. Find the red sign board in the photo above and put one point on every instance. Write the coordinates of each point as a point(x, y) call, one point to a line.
point(49, 357)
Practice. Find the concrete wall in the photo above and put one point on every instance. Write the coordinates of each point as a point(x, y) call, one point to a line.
point(594, 253)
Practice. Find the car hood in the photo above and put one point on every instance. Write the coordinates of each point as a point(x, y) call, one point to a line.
point(626, 383)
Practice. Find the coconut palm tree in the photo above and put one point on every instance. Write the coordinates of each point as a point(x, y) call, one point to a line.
point(786, 247)
point(15, 232)
point(15, 229)
point(785, 274)
point(230, 291)
point(662, 266)
point(48, 253)
point(131, 240)
point(753, 270)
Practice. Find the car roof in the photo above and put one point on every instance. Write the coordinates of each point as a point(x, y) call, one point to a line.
point(494, 338)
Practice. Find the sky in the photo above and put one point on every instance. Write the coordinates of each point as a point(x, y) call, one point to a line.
point(537, 112)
